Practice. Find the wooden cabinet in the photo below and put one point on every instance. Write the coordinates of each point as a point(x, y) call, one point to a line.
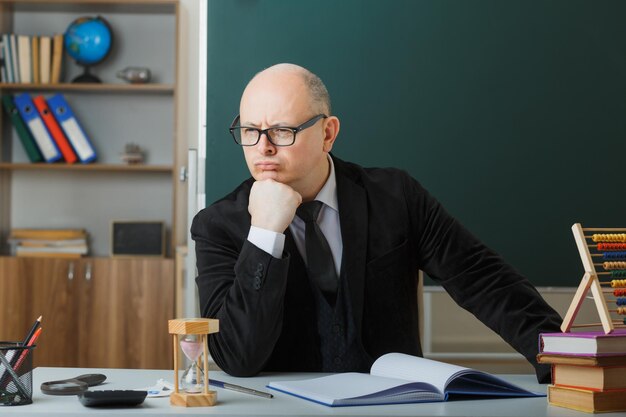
point(97, 312)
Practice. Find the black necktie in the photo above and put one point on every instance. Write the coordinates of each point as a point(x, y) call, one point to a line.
point(320, 264)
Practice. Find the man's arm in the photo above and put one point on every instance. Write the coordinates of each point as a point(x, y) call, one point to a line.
point(240, 284)
point(243, 287)
point(479, 280)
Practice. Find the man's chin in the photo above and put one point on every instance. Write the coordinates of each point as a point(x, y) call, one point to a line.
point(267, 175)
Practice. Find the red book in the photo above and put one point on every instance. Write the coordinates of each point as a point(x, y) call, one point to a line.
point(55, 130)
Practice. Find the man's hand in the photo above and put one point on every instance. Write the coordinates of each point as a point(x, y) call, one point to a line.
point(273, 205)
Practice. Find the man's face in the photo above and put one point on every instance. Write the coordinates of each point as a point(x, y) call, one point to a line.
point(281, 99)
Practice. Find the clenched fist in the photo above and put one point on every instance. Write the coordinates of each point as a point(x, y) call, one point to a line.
point(273, 205)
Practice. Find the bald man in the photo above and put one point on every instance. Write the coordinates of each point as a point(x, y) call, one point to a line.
point(380, 227)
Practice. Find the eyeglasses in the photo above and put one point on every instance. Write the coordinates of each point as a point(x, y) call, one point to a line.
point(278, 136)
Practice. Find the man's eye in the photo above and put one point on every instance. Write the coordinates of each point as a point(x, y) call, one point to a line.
point(281, 132)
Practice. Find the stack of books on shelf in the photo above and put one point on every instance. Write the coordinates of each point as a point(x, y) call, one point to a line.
point(588, 369)
point(48, 129)
point(64, 243)
point(30, 59)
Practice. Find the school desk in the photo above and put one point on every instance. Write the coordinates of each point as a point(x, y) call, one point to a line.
point(235, 404)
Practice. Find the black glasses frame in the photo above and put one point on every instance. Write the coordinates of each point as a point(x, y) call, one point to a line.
point(234, 125)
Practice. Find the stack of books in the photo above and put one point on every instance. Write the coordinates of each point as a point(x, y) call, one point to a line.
point(65, 243)
point(588, 370)
point(30, 59)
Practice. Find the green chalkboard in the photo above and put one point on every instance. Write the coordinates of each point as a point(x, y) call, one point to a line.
point(512, 113)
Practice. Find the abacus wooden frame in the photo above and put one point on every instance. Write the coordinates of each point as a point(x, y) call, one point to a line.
point(589, 281)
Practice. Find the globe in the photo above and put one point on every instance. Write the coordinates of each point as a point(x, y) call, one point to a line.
point(88, 40)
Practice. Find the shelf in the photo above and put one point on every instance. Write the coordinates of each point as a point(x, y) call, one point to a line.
point(12, 166)
point(92, 87)
point(75, 3)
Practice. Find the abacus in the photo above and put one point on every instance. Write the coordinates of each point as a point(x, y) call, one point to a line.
point(604, 248)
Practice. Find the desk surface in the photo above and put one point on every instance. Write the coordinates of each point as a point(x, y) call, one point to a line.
point(236, 404)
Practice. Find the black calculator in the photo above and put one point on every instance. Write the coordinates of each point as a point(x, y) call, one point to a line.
point(112, 398)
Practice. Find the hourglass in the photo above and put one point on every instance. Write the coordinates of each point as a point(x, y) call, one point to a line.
point(191, 381)
point(193, 390)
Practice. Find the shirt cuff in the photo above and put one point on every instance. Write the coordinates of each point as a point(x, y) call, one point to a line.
point(267, 240)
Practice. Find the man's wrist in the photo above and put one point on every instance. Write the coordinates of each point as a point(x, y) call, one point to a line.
point(267, 240)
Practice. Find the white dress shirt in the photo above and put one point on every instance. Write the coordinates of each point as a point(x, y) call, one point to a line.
point(328, 221)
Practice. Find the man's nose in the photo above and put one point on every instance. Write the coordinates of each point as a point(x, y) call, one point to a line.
point(264, 145)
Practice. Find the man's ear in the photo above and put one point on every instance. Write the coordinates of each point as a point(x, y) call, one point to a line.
point(331, 130)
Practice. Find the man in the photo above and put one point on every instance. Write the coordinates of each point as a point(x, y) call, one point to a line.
point(334, 287)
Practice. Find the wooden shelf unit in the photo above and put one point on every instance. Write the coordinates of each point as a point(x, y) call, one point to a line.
point(92, 87)
point(94, 297)
point(10, 166)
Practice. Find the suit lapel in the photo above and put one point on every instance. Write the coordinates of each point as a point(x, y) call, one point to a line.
point(353, 218)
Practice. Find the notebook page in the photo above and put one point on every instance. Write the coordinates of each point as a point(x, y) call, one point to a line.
point(413, 368)
point(327, 389)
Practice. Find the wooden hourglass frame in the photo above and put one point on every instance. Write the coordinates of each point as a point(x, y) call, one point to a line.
point(202, 328)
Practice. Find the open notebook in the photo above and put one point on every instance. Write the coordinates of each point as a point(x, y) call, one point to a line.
point(397, 378)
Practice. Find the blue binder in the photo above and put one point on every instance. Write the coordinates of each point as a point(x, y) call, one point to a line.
point(30, 115)
point(74, 132)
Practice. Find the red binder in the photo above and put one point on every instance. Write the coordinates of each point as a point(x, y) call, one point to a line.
point(55, 130)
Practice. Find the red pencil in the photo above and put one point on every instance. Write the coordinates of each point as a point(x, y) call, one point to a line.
point(31, 342)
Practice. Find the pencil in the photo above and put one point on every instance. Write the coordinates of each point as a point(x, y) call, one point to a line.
point(26, 351)
point(32, 330)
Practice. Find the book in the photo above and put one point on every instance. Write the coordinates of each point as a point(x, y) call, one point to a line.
point(55, 130)
point(14, 58)
point(57, 57)
point(8, 63)
point(24, 55)
point(587, 400)
point(47, 243)
point(584, 343)
point(35, 124)
point(47, 234)
point(44, 59)
point(397, 378)
point(604, 360)
point(34, 49)
point(597, 378)
point(73, 130)
point(28, 142)
point(3, 70)
point(51, 250)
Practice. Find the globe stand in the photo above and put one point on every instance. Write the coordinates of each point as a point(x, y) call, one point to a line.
point(86, 76)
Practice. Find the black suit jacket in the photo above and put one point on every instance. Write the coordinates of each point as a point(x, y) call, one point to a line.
point(391, 227)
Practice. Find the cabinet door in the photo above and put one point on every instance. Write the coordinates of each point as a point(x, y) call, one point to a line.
point(126, 303)
point(14, 301)
point(33, 287)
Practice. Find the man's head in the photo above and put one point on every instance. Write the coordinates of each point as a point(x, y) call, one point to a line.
point(287, 95)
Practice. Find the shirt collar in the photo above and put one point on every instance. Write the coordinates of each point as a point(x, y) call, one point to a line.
point(328, 193)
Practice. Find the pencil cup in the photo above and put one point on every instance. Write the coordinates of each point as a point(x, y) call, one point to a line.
point(16, 374)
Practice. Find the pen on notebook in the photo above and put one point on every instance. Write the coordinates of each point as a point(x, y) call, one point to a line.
point(239, 388)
